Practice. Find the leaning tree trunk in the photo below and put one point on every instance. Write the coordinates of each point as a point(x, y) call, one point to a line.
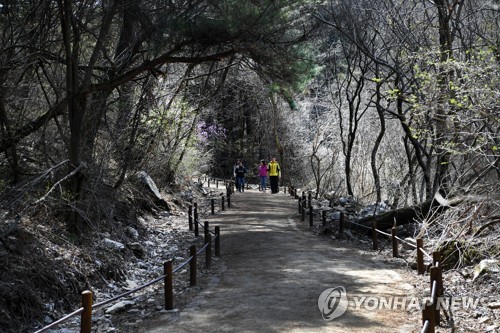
point(397, 217)
point(405, 215)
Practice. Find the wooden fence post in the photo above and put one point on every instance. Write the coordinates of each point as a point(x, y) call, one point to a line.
point(206, 231)
point(304, 208)
point(434, 274)
point(309, 199)
point(311, 216)
point(208, 251)
point(195, 218)
point(440, 281)
point(86, 317)
point(394, 233)
point(192, 266)
point(195, 211)
point(374, 235)
point(168, 285)
point(436, 257)
point(323, 218)
point(190, 217)
point(341, 223)
point(428, 314)
point(222, 203)
point(420, 256)
point(212, 205)
point(217, 241)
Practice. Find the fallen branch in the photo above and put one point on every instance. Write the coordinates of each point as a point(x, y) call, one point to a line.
point(496, 220)
point(71, 174)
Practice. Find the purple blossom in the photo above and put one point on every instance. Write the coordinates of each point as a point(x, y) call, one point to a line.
point(208, 132)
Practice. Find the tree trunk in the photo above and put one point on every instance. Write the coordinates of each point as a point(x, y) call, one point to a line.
point(396, 217)
point(6, 133)
point(442, 131)
point(378, 140)
point(76, 86)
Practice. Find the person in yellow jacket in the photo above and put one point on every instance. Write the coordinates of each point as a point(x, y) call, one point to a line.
point(274, 172)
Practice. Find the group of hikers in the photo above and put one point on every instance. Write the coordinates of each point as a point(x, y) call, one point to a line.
point(271, 170)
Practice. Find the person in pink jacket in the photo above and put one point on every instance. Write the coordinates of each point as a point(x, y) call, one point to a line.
point(263, 175)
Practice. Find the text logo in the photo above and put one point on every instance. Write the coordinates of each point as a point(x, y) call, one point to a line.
point(332, 303)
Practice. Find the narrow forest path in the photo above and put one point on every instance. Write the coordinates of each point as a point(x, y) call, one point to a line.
point(274, 272)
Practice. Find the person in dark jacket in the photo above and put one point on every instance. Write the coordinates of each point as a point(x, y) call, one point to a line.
point(239, 174)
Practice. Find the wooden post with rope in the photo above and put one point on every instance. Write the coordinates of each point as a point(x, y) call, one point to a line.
point(86, 317)
point(420, 256)
point(168, 285)
point(374, 235)
point(394, 233)
point(192, 266)
point(217, 241)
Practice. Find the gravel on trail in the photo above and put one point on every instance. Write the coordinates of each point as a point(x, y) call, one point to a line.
point(272, 273)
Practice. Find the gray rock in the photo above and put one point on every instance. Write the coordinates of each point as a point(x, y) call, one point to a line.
point(494, 305)
point(335, 216)
point(114, 245)
point(406, 246)
point(120, 307)
point(486, 266)
point(150, 185)
point(131, 232)
point(137, 248)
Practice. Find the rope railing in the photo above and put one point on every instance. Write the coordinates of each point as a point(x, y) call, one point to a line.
point(425, 253)
point(181, 266)
point(359, 225)
point(61, 320)
point(203, 226)
point(430, 313)
point(203, 248)
point(406, 242)
point(425, 328)
point(111, 300)
point(86, 310)
point(383, 233)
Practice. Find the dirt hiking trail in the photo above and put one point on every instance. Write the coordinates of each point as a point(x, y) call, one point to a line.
point(273, 272)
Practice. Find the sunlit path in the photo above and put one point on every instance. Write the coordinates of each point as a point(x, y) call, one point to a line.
point(274, 274)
